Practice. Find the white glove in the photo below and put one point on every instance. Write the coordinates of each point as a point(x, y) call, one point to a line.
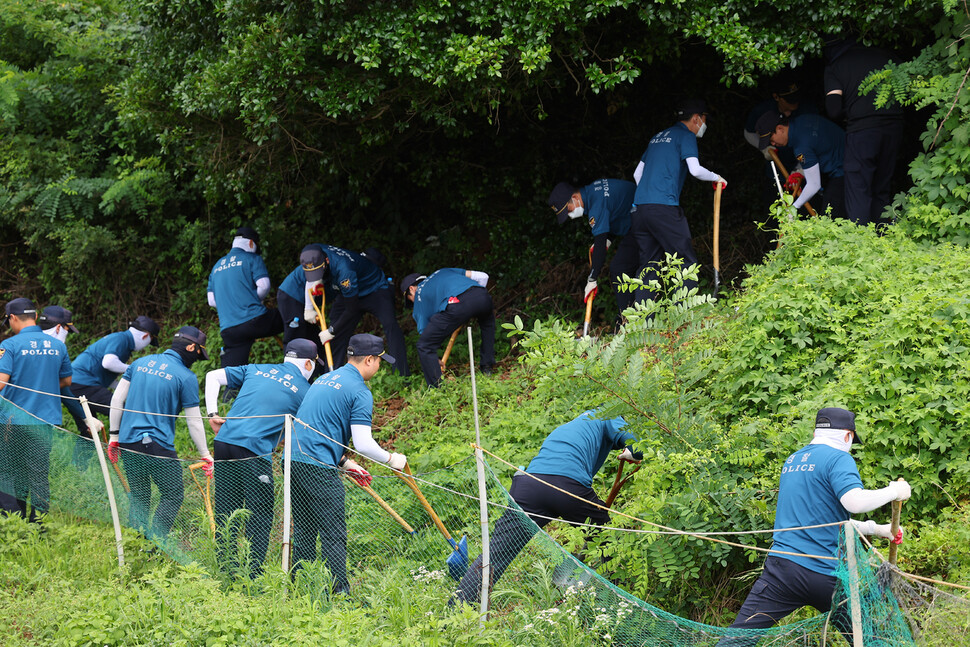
point(358, 473)
point(310, 316)
point(884, 530)
point(94, 426)
point(903, 490)
point(720, 180)
point(627, 455)
point(397, 461)
point(767, 152)
point(325, 336)
point(590, 286)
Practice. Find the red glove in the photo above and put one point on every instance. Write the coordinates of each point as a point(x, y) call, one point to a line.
point(898, 539)
point(207, 468)
point(358, 473)
point(114, 451)
point(794, 181)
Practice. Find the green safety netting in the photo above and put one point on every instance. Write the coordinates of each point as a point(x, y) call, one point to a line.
point(194, 519)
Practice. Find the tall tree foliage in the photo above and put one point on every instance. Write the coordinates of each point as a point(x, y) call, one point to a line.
point(86, 198)
point(273, 97)
point(938, 205)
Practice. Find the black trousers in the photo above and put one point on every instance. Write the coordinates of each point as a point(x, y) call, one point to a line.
point(99, 399)
point(475, 302)
point(833, 196)
point(379, 303)
point(25, 452)
point(291, 311)
point(514, 530)
point(147, 463)
point(243, 481)
point(318, 511)
point(625, 261)
point(785, 587)
point(237, 341)
point(659, 229)
point(870, 161)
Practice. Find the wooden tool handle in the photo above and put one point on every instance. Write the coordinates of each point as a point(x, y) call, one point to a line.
point(451, 344)
point(717, 226)
point(323, 324)
point(384, 504)
point(424, 502)
point(897, 507)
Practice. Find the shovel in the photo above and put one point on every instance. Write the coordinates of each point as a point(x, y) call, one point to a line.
point(451, 342)
point(323, 322)
point(717, 236)
point(206, 494)
point(384, 504)
point(458, 560)
point(589, 300)
point(619, 483)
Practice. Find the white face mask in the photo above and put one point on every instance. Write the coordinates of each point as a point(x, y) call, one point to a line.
point(702, 130)
point(300, 363)
point(834, 438)
point(57, 332)
point(142, 339)
point(577, 212)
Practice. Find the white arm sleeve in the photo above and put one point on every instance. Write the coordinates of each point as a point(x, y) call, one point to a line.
point(117, 403)
point(212, 299)
point(867, 527)
point(858, 500)
point(214, 380)
point(699, 171)
point(478, 277)
point(262, 287)
point(193, 417)
point(751, 138)
point(113, 363)
point(637, 174)
point(366, 445)
point(307, 289)
point(813, 182)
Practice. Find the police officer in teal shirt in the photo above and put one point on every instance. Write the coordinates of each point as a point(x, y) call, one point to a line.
point(336, 410)
point(819, 486)
point(238, 284)
point(606, 204)
point(35, 372)
point(658, 224)
point(354, 285)
point(246, 438)
point(563, 489)
point(443, 302)
point(152, 392)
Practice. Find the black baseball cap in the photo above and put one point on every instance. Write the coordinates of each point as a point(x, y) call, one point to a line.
point(410, 280)
point(54, 315)
point(248, 232)
point(146, 324)
point(836, 418)
point(559, 199)
point(20, 306)
point(303, 349)
point(193, 336)
point(690, 107)
point(765, 126)
point(313, 261)
point(363, 345)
